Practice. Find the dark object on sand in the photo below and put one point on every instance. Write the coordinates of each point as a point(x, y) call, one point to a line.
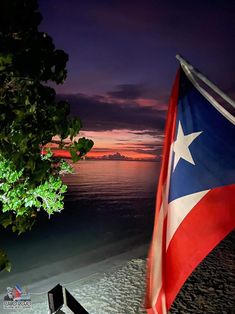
point(55, 298)
point(58, 296)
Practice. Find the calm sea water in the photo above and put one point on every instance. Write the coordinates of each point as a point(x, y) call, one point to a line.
point(112, 180)
point(107, 201)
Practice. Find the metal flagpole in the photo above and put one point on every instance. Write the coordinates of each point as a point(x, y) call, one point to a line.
point(204, 79)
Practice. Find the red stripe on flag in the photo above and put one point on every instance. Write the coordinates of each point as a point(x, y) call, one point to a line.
point(169, 135)
point(202, 229)
point(169, 138)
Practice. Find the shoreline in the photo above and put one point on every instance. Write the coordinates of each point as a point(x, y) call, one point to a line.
point(116, 285)
point(87, 264)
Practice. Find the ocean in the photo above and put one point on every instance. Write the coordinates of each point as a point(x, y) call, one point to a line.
point(109, 209)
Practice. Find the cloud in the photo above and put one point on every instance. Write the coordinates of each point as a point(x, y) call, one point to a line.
point(97, 114)
point(156, 133)
point(128, 91)
point(119, 156)
point(116, 156)
point(117, 122)
point(138, 94)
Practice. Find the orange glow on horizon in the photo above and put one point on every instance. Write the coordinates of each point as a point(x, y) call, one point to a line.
point(132, 155)
point(133, 144)
point(128, 154)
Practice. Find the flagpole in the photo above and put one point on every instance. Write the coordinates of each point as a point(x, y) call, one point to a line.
point(204, 79)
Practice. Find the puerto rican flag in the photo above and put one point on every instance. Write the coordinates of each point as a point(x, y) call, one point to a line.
point(17, 291)
point(195, 207)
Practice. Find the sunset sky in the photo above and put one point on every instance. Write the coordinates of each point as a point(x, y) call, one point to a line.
point(122, 63)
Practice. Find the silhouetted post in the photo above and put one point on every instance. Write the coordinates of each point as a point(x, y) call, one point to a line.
point(59, 296)
point(73, 304)
point(55, 299)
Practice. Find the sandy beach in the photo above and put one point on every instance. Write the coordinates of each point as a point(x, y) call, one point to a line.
point(111, 285)
point(117, 284)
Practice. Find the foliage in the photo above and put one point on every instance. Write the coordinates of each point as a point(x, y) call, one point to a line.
point(20, 199)
point(30, 116)
point(4, 262)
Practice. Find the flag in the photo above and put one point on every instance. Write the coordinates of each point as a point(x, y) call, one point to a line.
point(195, 205)
point(17, 291)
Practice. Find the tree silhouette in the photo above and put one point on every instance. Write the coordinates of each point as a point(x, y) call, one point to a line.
point(29, 117)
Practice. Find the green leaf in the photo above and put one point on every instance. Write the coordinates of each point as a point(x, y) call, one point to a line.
point(6, 222)
point(4, 261)
point(74, 155)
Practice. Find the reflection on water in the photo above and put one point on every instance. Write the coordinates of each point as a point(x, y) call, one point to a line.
point(107, 201)
point(112, 180)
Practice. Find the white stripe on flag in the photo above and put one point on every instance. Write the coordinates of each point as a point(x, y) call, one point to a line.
point(164, 310)
point(157, 258)
point(178, 210)
point(157, 240)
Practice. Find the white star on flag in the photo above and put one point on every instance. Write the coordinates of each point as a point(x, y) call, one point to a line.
point(181, 146)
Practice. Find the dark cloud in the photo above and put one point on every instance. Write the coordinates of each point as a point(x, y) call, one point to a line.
point(100, 149)
point(136, 91)
point(147, 148)
point(121, 140)
point(128, 91)
point(116, 156)
point(157, 132)
point(98, 115)
point(154, 152)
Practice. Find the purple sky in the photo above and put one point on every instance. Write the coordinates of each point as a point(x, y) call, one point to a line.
point(122, 61)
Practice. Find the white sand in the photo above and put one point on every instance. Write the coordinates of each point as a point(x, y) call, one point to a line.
point(112, 285)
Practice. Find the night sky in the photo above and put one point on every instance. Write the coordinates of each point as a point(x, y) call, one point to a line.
point(122, 63)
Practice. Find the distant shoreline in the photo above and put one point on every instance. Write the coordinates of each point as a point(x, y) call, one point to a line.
point(97, 159)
